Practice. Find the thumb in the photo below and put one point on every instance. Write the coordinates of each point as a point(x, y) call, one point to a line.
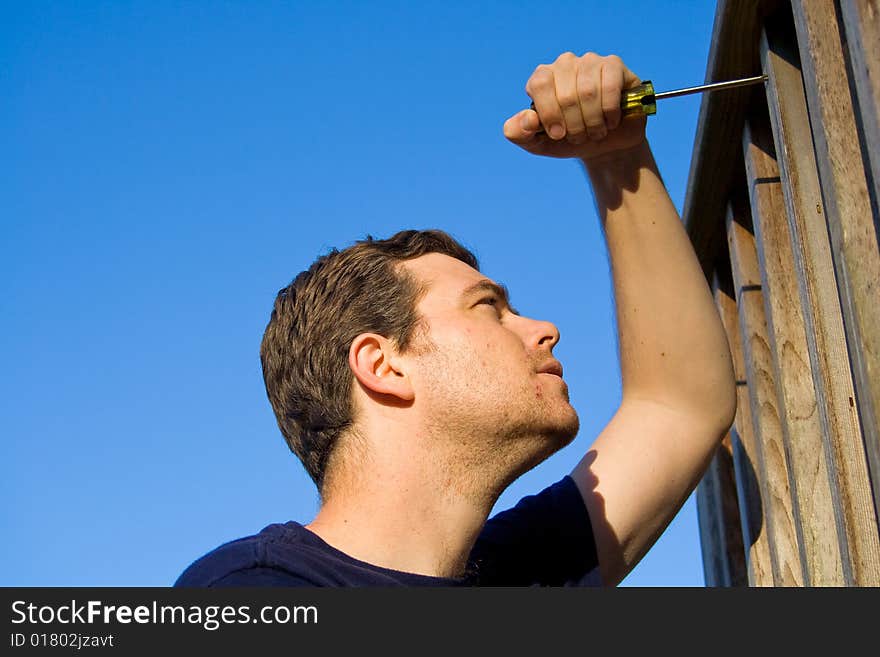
point(522, 127)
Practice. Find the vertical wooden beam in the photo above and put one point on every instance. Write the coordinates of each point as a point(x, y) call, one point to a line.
point(733, 54)
point(861, 20)
point(856, 519)
point(844, 174)
point(813, 501)
point(724, 562)
point(772, 461)
point(743, 448)
point(719, 523)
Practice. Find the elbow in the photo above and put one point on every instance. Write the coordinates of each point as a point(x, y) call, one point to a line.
point(727, 411)
point(716, 406)
point(719, 405)
point(719, 396)
point(727, 397)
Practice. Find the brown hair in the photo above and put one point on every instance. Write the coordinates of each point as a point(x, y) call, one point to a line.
point(304, 352)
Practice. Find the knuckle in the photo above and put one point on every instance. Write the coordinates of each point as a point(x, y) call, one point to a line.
point(610, 103)
point(588, 91)
point(566, 57)
point(590, 56)
point(614, 59)
point(610, 96)
point(567, 98)
point(541, 79)
point(542, 70)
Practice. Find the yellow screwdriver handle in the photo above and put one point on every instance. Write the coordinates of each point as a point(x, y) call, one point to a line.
point(639, 100)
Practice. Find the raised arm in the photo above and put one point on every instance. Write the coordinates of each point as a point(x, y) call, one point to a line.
point(679, 394)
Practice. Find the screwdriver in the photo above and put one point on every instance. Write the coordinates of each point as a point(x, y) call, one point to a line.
point(642, 101)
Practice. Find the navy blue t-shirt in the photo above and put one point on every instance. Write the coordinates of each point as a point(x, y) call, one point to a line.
point(545, 540)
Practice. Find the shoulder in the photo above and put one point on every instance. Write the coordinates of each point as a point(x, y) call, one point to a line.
point(290, 555)
point(545, 540)
point(557, 508)
point(269, 558)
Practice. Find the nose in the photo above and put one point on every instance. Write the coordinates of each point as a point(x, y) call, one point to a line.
point(542, 334)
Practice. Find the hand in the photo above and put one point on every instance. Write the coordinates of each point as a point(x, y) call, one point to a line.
point(577, 101)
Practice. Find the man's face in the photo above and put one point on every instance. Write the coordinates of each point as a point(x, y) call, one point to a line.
point(488, 375)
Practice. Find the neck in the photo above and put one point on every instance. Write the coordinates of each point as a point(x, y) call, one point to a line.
point(407, 513)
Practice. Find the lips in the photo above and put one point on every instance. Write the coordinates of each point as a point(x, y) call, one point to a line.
point(551, 367)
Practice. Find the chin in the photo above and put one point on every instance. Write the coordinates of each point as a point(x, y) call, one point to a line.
point(565, 434)
point(550, 439)
point(560, 433)
point(569, 424)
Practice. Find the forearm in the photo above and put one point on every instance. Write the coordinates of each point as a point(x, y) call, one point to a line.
point(673, 349)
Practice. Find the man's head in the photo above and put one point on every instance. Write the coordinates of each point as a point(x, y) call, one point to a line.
point(411, 318)
point(305, 347)
point(490, 394)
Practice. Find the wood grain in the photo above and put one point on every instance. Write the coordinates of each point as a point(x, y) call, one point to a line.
point(772, 459)
point(856, 520)
point(861, 21)
point(814, 510)
point(842, 161)
point(744, 450)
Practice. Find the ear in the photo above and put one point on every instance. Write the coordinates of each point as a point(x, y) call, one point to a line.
point(376, 365)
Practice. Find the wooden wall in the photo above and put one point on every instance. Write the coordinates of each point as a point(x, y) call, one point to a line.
point(782, 208)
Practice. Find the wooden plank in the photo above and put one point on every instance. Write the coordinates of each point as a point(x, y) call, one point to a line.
point(719, 523)
point(743, 448)
point(724, 562)
point(852, 222)
point(813, 499)
point(861, 20)
point(771, 464)
point(709, 522)
point(733, 54)
point(829, 362)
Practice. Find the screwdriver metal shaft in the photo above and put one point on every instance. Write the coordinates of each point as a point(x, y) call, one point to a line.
point(714, 86)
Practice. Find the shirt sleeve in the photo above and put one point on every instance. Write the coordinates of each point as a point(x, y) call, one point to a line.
point(545, 540)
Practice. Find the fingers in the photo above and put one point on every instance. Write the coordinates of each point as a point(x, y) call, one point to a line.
point(590, 94)
point(612, 86)
point(541, 87)
point(577, 98)
point(568, 97)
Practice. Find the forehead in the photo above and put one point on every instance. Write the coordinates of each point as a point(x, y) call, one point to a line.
point(444, 277)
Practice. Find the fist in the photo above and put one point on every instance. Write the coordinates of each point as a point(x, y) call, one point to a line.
point(577, 103)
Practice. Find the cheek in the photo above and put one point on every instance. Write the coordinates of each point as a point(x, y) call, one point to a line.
point(495, 352)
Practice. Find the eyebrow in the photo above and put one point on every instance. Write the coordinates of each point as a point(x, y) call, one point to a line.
point(498, 289)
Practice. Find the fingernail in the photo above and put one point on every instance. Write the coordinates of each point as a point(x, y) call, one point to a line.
point(557, 131)
point(525, 124)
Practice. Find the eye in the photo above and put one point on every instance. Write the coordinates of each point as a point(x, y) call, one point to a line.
point(493, 302)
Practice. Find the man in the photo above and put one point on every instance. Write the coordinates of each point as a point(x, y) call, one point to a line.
point(414, 394)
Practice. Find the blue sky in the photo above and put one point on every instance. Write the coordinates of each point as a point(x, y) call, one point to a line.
point(167, 167)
